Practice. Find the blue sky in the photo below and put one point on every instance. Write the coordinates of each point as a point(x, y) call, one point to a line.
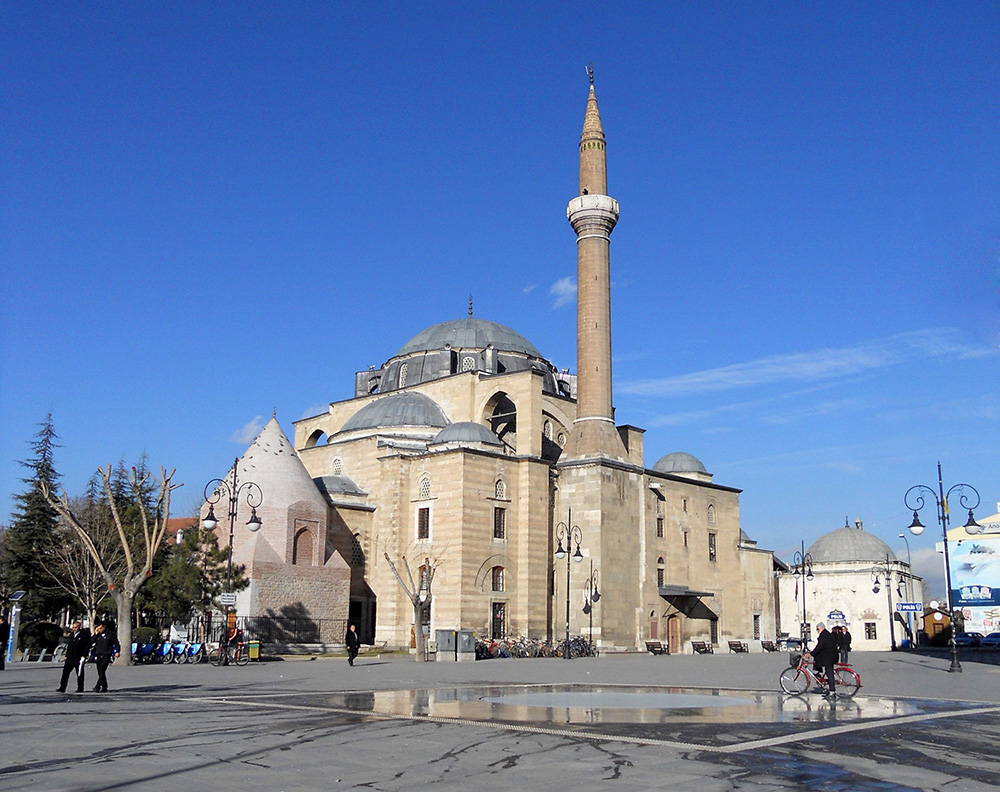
point(212, 211)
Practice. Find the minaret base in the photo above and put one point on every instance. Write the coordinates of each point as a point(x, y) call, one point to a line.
point(593, 438)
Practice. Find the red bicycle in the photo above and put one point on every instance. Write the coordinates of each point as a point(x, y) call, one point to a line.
point(800, 677)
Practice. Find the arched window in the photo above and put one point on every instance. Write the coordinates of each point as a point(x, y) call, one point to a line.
point(468, 363)
point(402, 375)
point(547, 429)
point(357, 553)
point(659, 571)
point(424, 488)
point(711, 514)
point(496, 576)
point(500, 490)
point(302, 548)
point(337, 467)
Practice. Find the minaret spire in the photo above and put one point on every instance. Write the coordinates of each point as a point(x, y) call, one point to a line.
point(593, 215)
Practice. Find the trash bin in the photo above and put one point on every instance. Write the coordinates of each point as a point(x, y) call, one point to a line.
point(254, 650)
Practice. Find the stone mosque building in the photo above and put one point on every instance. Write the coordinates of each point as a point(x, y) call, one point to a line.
point(469, 451)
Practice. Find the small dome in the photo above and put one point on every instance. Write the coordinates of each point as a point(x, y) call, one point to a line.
point(397, 409)
point(849, 544)
point(679, 462)
point(469, 333)
point(466, 432)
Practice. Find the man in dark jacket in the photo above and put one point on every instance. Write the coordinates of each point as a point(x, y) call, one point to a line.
point(4, 636)
point(353, 644)
point(825, 656)
point(77, 647)
point(106, 649)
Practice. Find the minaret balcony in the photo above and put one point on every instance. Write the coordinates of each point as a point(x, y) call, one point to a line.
point(593, 214)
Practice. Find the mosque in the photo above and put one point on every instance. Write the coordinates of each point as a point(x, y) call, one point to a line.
point(468, 452)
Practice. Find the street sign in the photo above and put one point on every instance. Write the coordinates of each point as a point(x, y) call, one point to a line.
point(910, 607)
point(227, 599)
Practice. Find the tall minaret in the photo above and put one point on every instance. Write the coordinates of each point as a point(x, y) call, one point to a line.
point(593, 216)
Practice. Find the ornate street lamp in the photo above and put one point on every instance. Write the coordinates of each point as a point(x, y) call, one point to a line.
point(803, 563)
point(909, 588)
point(571, 533)
point(233, 489)
point(882, 573)
point(593, 596)
point(914, 499)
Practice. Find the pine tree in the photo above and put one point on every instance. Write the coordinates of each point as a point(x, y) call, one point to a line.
point(33, 530)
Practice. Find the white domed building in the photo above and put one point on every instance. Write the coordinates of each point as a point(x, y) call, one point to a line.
point(836, 585)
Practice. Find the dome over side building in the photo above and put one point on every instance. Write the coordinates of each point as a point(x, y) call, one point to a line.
point(848, 545)
point(680, 463)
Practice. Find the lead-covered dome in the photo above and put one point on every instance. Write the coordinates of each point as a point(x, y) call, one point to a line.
point(679, 462)
point(469, 333)
point(397, 409)
point(849, 544)
point(466, 433)
point(460, 347)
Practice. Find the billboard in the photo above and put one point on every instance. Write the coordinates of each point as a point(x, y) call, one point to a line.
point(975, 573)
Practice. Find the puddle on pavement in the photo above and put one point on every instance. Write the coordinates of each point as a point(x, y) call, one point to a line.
point(588, 704)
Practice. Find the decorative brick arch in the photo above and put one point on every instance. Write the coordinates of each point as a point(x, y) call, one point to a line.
point(302, 548)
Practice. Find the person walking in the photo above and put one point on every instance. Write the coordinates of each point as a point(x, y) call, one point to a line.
point(4, 637)
point(77, 648)
point(106, 649)
point(353, 644)
point(825, 656)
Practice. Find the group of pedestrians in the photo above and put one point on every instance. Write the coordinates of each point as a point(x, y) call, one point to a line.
point(102, 648)
point(831, 648)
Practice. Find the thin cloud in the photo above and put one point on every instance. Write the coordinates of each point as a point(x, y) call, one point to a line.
point(249, 431)
point(564, 291)
point(812, 366)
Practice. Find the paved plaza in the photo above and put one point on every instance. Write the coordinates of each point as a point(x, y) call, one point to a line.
point(625, 722)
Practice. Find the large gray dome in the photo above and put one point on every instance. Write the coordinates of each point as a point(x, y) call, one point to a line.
point(679, 462)
point(469, 333)
point(466, 432)
point(397, 409)
point(849, 544)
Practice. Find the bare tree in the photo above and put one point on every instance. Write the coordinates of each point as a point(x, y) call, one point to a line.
point(138, 548)
point(420, 595)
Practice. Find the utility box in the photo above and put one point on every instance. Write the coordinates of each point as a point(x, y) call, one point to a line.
point(446, 643)
point(466, 648)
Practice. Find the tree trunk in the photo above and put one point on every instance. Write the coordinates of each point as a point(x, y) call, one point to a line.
point(418, 614)
point(124, 604)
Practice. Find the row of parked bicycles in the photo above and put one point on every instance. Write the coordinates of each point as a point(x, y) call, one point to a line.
point(183, 652)
point(489, 649)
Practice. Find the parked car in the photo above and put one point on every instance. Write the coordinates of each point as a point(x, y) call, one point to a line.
point(968, 639)
point(992, 640)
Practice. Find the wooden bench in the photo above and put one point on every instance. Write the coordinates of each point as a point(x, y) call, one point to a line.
point(655, 647)
point(769, 646)
point(738, 647)
point(702, 647)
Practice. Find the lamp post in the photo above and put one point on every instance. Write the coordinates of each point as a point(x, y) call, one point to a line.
point(915, 499)
point(570, 533)
point(882, 573)
point(909, 588)
point(803, 563)
point(593, 596)
point(233, 489)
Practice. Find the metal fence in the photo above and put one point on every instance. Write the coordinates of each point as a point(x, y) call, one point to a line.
point(266, 629)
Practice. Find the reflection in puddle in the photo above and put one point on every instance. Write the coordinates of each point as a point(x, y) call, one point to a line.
point(614, 704)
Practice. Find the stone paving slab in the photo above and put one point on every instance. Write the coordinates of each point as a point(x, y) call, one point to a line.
point(270, 726)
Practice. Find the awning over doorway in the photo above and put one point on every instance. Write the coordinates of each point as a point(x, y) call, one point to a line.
point(688, 601)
